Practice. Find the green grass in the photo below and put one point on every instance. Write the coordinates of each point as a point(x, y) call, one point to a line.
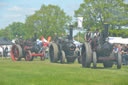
point(46, 73)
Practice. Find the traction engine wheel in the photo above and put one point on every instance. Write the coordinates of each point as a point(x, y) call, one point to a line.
point(16, 52)
point(119, 60)
point(62, 59)
point(79, 59)
point(53, 51)
point(86, 55)
point(94, 59)
point(42, 58)
point(28, 55)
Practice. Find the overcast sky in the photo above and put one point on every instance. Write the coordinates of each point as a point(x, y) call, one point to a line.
point(17, 10)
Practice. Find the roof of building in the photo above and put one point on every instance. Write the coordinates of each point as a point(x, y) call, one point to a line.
point(5, 41)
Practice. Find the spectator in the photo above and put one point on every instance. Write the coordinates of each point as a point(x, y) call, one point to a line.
point(116, 48)
point(119, 47)
point(6, 51)
point(125, 55)
point(21, 40)
point(63, 36)
point(55, 37)
point(2, 51)
point(16, 39)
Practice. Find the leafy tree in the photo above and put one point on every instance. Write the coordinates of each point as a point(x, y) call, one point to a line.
point(80, 37)
point(47, 21)
point(16, 28)
point(96, 12)
point(5, 33)
point(119, 33)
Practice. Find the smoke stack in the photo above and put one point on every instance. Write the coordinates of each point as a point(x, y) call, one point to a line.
point(71, 32)
point(106, 25)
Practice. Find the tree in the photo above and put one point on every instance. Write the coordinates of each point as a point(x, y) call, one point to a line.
point(47, 21)
point(5, 33)
point(16, 28)
point(96, 12)
point(119, 33)
point(80, 37)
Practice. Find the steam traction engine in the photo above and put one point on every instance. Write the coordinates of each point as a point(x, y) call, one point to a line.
point(100, 51)
point(27, 49)
point(63, 49)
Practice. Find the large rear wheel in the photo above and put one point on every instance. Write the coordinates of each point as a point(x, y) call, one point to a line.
point(86, 55)
point(53, 52)
point(16, 52)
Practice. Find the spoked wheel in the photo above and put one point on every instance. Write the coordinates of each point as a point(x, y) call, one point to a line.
point(119, 60)
point(16, 52)
point(94, 59)
point(28, 55)
point(86, 55)
point(32, 58)
point(42, 58)
point(53, 51)
point(62, 58)
point(79, 59)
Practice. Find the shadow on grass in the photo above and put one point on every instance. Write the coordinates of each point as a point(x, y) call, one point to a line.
point(110, 68)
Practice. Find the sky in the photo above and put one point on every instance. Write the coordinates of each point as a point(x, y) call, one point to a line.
point(17, 10)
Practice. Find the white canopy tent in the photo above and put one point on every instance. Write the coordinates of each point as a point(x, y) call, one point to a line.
point(77, 43)
point(118, 40)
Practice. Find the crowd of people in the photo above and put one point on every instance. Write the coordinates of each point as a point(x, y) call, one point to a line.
point(123, 49)
point(4, 52)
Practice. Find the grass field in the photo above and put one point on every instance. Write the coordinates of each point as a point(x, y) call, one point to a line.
point(46, 73)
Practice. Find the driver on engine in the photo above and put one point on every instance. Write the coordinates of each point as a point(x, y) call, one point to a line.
point(88, 36)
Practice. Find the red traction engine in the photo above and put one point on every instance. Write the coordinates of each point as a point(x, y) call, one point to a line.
point(27, 50)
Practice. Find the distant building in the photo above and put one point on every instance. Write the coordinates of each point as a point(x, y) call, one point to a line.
point(4, 42)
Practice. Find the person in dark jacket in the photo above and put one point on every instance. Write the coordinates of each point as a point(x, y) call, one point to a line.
point(125, 55)
point(88, 35)
point(6, 52)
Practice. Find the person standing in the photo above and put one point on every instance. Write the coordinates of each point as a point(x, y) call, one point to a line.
point(16, 39)
point(2, 51)
point(125, 55)
point(96, 33)
point(6, 51)
point(88, 36)
point(55, 37)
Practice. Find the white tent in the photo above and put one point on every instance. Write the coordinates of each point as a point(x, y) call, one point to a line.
point(115, 39)
point(118, 40)
point(124, 41)
point(77, 43)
